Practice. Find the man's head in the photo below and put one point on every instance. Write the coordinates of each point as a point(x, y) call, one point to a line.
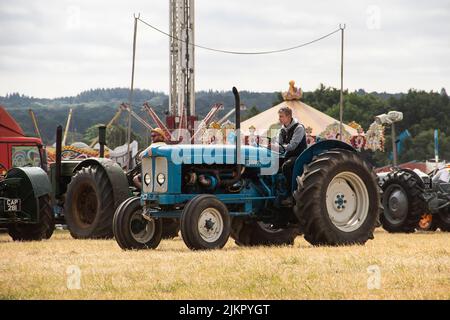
point(285, 116)
point(158, 135)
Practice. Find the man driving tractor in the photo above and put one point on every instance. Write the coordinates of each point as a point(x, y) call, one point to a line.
point(292, 141)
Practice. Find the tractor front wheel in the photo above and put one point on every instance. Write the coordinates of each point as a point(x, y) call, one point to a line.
point(337, 200)
point(132, 230)
point(402, 207)
point(205, 223)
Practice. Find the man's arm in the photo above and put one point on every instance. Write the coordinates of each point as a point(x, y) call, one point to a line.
point(297, 137)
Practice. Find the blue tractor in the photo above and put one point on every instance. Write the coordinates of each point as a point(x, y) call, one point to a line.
point(218, 191)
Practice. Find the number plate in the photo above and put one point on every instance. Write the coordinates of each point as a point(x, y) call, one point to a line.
point(12, 205)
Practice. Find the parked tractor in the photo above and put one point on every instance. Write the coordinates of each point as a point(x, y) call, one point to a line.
point(414, 200)
point(25, 204)
point(87, 193)
point(25, 190)
point(80, 193)
point(218, 191)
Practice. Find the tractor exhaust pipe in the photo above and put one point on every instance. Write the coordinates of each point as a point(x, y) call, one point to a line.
point(237, 174)
point(102, 140)
point(58, 157)
point(237, 106)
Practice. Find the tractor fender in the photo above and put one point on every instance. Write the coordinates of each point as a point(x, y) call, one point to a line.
point(316, 149)
point(116, 176)
point(419, 179)
point(38, 178)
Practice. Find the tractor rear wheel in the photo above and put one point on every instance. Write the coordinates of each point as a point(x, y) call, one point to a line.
point(403, 208)
point(134, 231)
point(337, 200)
point(36, 231)
point(89, 205)
point(205, 223)
point(442, 219)
point(257, 233)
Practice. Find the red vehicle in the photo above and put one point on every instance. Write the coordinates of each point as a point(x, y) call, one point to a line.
point(17, 150)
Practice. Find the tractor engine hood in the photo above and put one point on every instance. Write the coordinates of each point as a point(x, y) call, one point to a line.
point(212, 154)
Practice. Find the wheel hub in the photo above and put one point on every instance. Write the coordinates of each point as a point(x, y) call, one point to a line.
point(347, 201)
point(142, 229)
point(339, 203)
point(210, 225)
point(398, 204)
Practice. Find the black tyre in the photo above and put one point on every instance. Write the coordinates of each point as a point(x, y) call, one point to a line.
point(256, 233)
point(171, 228)
point(89, 205)
point(402, 207)
point(205, 223)
point(337, 200)
point(132, 230)
point(36, 231)
point(442, 219)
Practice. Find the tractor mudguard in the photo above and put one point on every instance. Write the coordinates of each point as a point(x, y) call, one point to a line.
point(316, 149)
point(116, 176)
point(27, 184)
point(38, 178)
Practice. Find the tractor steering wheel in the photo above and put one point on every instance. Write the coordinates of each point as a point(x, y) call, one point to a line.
point(283, 149)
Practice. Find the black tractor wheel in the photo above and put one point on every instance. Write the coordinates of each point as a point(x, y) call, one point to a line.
point(256, 233)
point(89, 205)
point(134, 231)
point(337, 199)
point(171, 228)
point(36, 231)
point(205, 223)
point(442, 219)
point(402, 207)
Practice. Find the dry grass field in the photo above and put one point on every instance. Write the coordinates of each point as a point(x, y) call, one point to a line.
point(413, 266)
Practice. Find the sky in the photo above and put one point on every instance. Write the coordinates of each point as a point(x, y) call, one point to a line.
point(53, 48)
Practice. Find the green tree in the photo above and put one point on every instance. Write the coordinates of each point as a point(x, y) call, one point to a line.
point(253, 111)
point(116, 135)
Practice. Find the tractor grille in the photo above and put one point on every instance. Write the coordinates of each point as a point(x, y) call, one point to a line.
point(152, 169)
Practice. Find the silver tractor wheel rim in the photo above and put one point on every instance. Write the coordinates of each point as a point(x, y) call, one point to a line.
point(396, 206)
point(347, 201)
point(141, 229)
point(210, 225)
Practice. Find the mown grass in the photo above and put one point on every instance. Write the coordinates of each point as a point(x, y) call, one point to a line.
point(415, 266)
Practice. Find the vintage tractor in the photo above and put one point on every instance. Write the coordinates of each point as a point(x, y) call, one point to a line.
point(25, 204)
point(220, 190)
point(25, 209)
point(87, 193)
point(413, 200)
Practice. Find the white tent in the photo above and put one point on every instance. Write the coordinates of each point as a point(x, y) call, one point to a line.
point(305, 114)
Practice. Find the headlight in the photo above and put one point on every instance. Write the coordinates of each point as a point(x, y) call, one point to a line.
point(147, 179)
point(161, 178)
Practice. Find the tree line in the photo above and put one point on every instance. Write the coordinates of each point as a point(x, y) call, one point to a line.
point(423, 112)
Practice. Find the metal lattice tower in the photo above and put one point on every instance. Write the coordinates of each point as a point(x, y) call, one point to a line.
point(182, 75)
